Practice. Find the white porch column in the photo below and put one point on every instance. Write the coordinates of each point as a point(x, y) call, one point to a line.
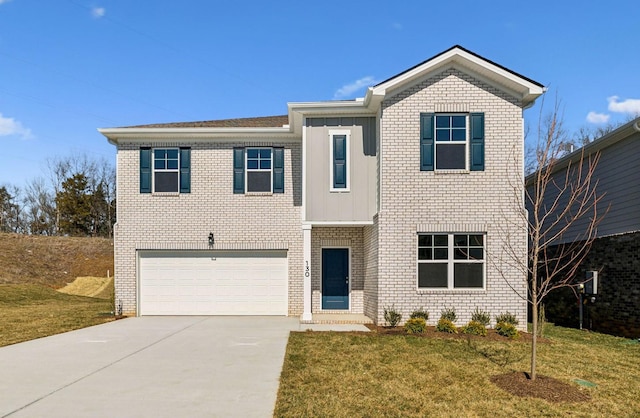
point(306, 278)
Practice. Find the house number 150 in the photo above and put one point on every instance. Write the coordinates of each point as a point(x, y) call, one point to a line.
point(307, 271)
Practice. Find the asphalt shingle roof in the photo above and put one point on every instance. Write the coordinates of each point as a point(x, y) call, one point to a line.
point(259, 122)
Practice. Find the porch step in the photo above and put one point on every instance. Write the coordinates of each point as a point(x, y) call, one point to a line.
point(338, 318)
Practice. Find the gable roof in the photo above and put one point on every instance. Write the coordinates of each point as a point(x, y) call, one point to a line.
point(290, 125)
point(519, 86)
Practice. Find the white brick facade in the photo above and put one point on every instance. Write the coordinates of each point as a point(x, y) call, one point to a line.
point(415, 201)
point(183, 221)
point(401, 203)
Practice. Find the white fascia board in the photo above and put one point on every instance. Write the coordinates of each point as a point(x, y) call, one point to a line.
point(114, 135)
point(356, 107)
point(499, 77)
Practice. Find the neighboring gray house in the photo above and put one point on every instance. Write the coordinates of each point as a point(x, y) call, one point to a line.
point(396, 199)
point(615, 253)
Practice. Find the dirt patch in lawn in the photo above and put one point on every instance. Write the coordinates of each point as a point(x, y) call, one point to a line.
point(544, 387)
point(93, 287)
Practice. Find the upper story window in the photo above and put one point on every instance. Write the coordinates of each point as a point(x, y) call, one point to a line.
point(451, 261)
point(165, 170)
point(339, 177)
point(452, 142)
point(258, 170)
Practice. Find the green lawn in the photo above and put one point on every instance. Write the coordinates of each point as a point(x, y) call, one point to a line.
point(29, 311)
point(373, 375)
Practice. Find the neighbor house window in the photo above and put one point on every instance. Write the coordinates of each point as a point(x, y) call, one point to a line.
point(165, 170)
point(451, 261)
point(339, 160)
point(451, 142)
point(258, 170)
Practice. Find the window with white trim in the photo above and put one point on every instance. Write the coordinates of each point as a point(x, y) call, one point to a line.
point(451, 142)
point(451, 261)
point(166, 170)
point(259, 170)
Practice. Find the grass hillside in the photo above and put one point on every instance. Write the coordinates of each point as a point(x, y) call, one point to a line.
point(53, 261)
point(34, 268)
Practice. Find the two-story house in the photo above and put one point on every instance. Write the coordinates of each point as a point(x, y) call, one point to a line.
point(398, 199)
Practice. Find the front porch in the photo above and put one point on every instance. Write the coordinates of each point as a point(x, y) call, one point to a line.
point(337, 318)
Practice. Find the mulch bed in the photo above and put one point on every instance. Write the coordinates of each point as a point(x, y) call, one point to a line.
point(431, 332)
point(544, 387)
point(516, 383)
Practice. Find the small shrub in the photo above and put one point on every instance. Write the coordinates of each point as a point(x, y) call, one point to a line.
point(420, 313)
point(445, 325)
point(475, 328)
point(508, 318)
point(507, 330)
point(481, 316)
point(392, 317)
point(449, 314)
point(415, 326)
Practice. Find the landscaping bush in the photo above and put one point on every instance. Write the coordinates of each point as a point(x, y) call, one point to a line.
point(420, 313)
point(415, 326)
point(481, 316)
point(392, 317)
point(445, 325)
point(449, 314)
point(507, 329)
point(508, 318)
point(475, 328)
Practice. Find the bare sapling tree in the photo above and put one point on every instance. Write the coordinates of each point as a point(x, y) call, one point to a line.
point(561, 213)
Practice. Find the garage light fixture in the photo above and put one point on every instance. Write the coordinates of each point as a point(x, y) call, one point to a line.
point(210, 239)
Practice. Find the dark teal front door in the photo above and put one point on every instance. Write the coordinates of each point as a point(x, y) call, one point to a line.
point(335, 278)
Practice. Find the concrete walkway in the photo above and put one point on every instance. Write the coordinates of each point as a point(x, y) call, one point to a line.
point(149, 367)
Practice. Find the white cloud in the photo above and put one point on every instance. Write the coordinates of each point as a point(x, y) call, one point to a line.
point(594, 117)
point(348, 89)
point(97, 12)
point(631, 106)
point(4, 1)
point(10, 126)
point(397, 26)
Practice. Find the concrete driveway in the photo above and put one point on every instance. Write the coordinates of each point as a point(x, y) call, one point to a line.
point(149, 367)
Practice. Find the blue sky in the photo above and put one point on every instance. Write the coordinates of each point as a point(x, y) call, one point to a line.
point(68, 67)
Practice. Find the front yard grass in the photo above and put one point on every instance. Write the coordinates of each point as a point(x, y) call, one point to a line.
point(29, 311)
point(374, 375)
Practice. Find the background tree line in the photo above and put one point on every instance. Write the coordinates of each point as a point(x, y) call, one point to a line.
point(76, 196)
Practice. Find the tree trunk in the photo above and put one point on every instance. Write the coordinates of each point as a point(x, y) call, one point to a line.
point(534, 337)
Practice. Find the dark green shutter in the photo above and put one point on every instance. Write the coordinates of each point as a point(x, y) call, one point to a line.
point(145, 170)
point(278, 170)
point(426, 141)
point(477, 141)
point(238, 170)
point(185, 170)
point(339, 161)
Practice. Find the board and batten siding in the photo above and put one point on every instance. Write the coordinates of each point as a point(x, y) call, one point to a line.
point(358, 202)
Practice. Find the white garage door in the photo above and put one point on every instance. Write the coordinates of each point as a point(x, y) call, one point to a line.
point(213, 283)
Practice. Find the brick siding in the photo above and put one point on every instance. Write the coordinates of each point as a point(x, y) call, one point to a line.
point(482, 201)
